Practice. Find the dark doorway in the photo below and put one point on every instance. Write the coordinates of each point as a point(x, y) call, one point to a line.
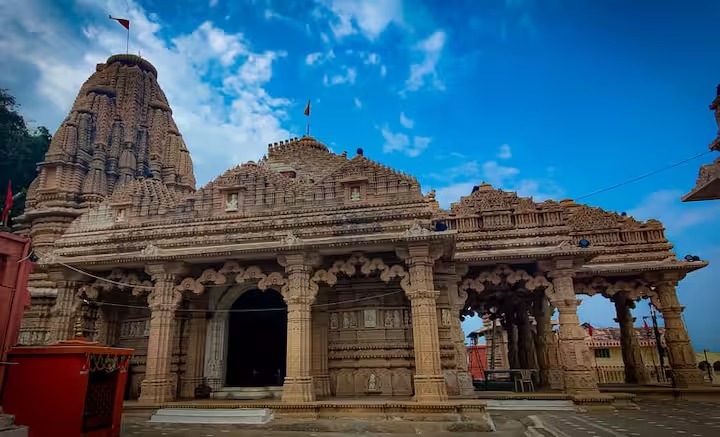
point(257, 340)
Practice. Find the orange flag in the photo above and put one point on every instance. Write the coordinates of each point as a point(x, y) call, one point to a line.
point(307, 109)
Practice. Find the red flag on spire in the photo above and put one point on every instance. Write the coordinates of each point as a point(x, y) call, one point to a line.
point(307, 109)
point(645, 325)
point(8, 204)
point(125, 22)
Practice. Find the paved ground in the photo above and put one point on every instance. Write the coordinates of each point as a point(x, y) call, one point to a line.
point(654, 419)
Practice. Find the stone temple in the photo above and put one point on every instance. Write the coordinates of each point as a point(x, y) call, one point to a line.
point(311, 275)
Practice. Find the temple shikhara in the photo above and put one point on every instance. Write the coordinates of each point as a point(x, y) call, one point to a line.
point(310, 275)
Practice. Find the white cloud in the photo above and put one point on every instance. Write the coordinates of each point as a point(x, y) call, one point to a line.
point(319, 58)
point(406, 122)
point(400, 142)
point(358, 103)
point(505, 152)
point(369, 18)
point(348, 77)
point(458, 181)
point(425, 73)
point(383, 71)
point(665, 205)
point(50, 60)
point(213, 3)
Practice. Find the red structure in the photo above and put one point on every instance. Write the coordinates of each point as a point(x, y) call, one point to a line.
point(70, 388)
point(14, 296)
point(477, 357)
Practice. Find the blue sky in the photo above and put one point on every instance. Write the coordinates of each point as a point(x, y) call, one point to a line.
point(552, 98)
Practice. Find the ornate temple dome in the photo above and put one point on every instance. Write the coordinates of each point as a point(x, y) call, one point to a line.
point(120, 128)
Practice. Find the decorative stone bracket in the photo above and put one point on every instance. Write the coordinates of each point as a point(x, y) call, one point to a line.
point(232, 273)
point(504, 274)
point(349, 268)
point(634, 289)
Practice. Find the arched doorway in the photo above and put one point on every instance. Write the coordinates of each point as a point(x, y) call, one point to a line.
point(257, 340)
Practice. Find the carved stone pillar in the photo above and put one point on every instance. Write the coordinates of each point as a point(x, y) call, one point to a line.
point(299, 295)
point(159, 384)
point(449, 281)
point(67, 304)
point(680, 351)
point(195, 361)
point(429, 381)
point(321, 376)
point(541, 313)
point(512, 344)
point(578, 374)
point(526, 346)
point(215, 350)
point(635, 370)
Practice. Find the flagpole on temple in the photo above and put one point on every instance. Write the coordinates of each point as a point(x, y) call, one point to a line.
point(127, 42)
point(307, 114)
point(124, 22)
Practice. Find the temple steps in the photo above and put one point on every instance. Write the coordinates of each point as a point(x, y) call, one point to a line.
point(245, 416)
point(248, 393)
point(529, 405)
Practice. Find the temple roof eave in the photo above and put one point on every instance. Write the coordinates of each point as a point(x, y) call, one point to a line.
point(634, 268)
point(258, 250)
point(710, 190)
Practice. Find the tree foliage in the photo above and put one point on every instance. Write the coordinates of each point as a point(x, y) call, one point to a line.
point(21, 149)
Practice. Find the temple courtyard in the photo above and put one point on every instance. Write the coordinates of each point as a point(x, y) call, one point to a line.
point(656, 418)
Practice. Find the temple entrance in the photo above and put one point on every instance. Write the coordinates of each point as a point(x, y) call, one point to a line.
point(257, 340)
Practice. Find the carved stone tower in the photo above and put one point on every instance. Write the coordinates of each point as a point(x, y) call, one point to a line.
point(120, 129)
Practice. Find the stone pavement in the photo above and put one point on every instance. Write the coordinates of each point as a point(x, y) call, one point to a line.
point(654, 419)
point(138, 426)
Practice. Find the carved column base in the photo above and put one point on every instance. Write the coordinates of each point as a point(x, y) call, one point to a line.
point(187, 387)
point(298, 389)
point(580, 381)
point(640, 374)
point(322, 385)
point(465, 383)
point(688, 377)
point(430, 388)
point(555, 378)
point(157, 391)
point(215, 383)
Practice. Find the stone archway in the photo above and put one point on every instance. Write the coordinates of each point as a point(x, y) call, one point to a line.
point(257, 340)
point(221, 303)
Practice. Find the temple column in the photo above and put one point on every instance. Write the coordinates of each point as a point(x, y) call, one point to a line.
point(194, 366)
point(449, 281)
point(542, 323)
point(512, 344)
point(680, 351)
point(635, 370)
point(215, 341)
point(321, 376)
point(578, 374)
point(526, 346)
point(429, 380)
point(67, 303)
point(299, 296)
point(159, 384)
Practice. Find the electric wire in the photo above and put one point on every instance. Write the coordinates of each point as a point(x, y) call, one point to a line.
point(643, 176)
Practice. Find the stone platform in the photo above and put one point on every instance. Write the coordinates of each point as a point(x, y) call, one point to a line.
point(248, 393)
point(665, 392)
point(218, 416)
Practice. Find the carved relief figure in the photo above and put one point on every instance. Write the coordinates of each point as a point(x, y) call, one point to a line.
point(406, 315)
point(355, 194)
point(353, 320)
point(120, 217)
point(397, 320)
point(373, 385)
point(445, 317)
point(370, 318)
point(346, 320)
point(389, 319)
point(334, 321)
point(232, 202)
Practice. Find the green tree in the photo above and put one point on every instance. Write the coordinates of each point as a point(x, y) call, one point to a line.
point(21, 149)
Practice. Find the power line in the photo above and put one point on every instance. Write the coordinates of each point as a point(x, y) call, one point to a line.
point(646, 175)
